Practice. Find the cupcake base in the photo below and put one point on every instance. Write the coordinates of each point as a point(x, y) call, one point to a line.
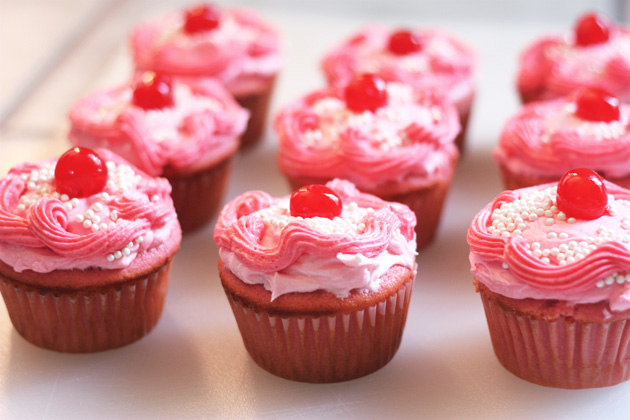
point(426, 203)
point(85, 320)
point(258, 106)
point(197, 196)
point(317, 337)
point(513, 181)
point(460, 140)
point(551, 349)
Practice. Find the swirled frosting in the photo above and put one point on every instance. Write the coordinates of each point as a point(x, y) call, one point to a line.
point(132, 220)
point(407, 144)
point(554, 66)
point(443, 63)
point(522, 246)
point(202, 128)
point(243, 52)
point(261, 243)
point(548, 138)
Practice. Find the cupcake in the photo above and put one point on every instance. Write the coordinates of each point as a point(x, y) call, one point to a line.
point(387, 138)
point(545, 139)
point(234, 46)
point(427, 59)
point(552, 265)
point(187, 132)
point(319, 282)
point(596, 53)
point(86, 245)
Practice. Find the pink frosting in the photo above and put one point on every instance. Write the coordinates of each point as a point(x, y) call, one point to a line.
point(554, 66)
point(548, 138)
point(407, 144)
point(131, 219)
point(243, 52)
point(258, 232)
point(443, 64)
point(522, 246)
point(202, 128)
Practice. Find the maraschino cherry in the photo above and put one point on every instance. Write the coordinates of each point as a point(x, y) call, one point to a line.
point(153, 91)
point(315, 201)
point(594, 104)
point(404, 42)
point(591, 29)
point(582, 194)
point(367, 92)
point(201, 18)
point(80, 172)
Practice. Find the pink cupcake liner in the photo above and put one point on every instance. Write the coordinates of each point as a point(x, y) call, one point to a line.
point(326, 348)
point(562, 353)
point(197, 196)
point(427, 204)
point(464, 118)
point(258, 106)
point(76, 321)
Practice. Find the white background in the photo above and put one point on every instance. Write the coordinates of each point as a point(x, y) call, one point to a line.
point(193, 365)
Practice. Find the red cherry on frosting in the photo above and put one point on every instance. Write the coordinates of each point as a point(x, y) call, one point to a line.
point(153, 91)
point(367, 92)
point(80, 172)
point(315, 201)
point(591, 29)
point(201, 18)
point(594, 104)
point(404, 42)
point(582, 194)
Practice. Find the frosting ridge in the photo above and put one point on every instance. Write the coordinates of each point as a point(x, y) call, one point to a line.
point(262, 243)
point(522, 246)
point(42, 230)
point(547, 138)
point(201, 128)
point(408, 143)
point(243, 52)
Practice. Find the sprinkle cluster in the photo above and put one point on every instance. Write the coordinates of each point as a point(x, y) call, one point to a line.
point(387, 126)
point(351, 222)
point(536, 208)
point(97, 215)
point(598, 130)
point(510, 218)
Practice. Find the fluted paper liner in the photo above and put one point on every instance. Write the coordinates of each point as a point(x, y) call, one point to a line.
point(562, 353)
point(87, 321)
point(258, 105)
point(197, 196)
point(327, 348)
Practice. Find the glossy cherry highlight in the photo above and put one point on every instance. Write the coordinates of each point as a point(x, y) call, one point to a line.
point(582, 194)
point(153, 91)
point(315, 201)
point(594, 104)
point(201, 18)
point(404, 42)
point(592, 29)
point(367, 92)
point(80, 172)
